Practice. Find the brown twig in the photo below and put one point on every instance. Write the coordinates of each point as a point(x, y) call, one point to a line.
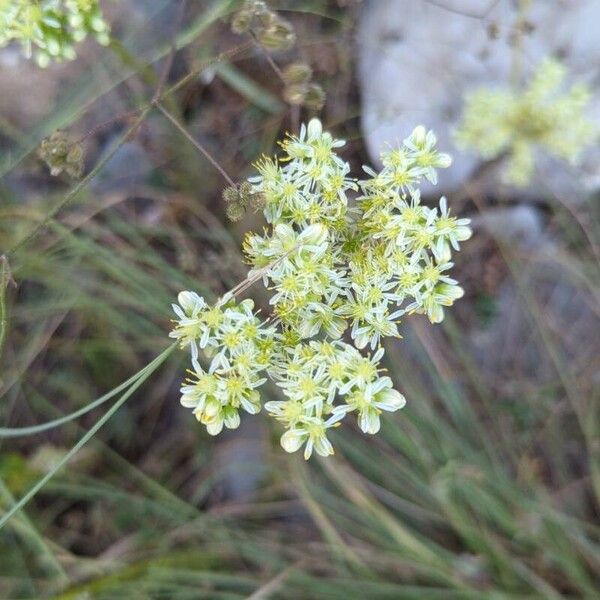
point(195, 143)
point(171, 90)
point(269, 58)
point(169, 63)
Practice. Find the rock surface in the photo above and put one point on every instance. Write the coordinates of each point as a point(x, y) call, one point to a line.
point(548, 293)
point(418, 58)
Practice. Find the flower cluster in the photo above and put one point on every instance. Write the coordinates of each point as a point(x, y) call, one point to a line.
point(239, 348)
point(322, 382)
point(49, 29)
point(345, 259)
point(517, 122)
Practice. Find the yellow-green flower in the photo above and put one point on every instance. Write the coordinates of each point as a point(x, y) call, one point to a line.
point(48, 30)
point(520, 122)
point(338, 255)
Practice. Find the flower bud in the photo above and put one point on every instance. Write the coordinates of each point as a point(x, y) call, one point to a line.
point(291, 441)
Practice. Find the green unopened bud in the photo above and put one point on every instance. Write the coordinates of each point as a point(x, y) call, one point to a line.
point(297, 73)
point(314, 97)
point(295, 94)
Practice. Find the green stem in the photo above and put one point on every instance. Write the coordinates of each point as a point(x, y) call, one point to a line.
point(4, 279)
point(36, 541)
point(12, 432)
point(84, 439)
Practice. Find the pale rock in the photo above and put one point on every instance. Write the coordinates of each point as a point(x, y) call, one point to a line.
point(418, 59)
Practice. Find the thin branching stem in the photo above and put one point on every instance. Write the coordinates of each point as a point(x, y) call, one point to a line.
point(195, 143)
point(268, 57)
point(12, 432)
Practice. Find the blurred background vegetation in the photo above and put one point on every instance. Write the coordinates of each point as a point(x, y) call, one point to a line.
point(485, 486)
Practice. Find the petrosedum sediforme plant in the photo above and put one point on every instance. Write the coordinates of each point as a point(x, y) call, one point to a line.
point(48, 30)
point(341, 272)
point(519, 122)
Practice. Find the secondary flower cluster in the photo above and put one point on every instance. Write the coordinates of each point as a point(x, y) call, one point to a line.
point(49, 29)
point(517, 122)
point(239, 346)
point(343, 270)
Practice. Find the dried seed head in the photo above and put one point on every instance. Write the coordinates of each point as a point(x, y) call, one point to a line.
point(231, 195)
point(314, 97)
point(249, 197)
point(245, 189)
point(257, 200)
point(279, 34)
point(74, 162)
point(295, 94)
point(235, 211)
point(61, 154)
point(297, 73)
point(75, 154)
point(241, 22)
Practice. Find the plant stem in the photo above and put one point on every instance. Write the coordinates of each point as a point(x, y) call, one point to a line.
point(195, 143)
point(12, 432)
point(5, 279)
point(84, 439)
